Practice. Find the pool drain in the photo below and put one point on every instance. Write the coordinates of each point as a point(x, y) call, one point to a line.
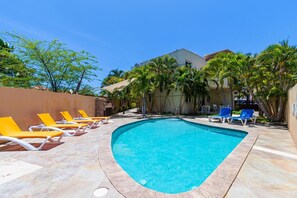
point(100, 192)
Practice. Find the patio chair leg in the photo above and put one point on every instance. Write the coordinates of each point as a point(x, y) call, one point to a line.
point(43, 143)
point(22, 143)
point(58, 140)
point(255, 119)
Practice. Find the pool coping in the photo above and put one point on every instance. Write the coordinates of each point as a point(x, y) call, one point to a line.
point(216, 185)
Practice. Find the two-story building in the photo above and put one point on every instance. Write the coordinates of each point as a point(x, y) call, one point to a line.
point(175, 101)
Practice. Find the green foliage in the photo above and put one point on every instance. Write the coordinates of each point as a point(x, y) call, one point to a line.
point(55, 66)
point(225, 66)
point(114, 76)
point(87, 90)
point(236, 112)
point(163, 69)
point(13, 72)
point(267, 76)
point(5, 46)
point(273, 74)
point(191, 82)
point(144, 80)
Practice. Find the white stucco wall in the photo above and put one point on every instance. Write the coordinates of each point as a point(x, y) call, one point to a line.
point(183, 55)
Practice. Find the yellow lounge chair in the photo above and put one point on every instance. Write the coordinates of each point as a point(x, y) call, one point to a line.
point(50, 124)
point(10, 131)
point(70, 119)
point(84, 115)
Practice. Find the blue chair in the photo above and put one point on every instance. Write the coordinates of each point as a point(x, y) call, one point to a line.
point(224, 114)
point(245, 115)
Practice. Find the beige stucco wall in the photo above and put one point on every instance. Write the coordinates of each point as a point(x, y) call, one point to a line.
point(174, 102)
point(24, 104)
point(292, 119)
point(217, 97)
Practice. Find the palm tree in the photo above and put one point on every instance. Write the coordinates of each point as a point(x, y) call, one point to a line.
point(116, 73)
point(5, 46)
point(143, 83)
point(192, 84)
point(114, 76)
point(224, 66)
point(183, 83)
point(164, 68)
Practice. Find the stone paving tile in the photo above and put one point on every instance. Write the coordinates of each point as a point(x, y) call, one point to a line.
point(72, 169)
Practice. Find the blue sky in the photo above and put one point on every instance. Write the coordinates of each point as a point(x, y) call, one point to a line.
point(121, 33)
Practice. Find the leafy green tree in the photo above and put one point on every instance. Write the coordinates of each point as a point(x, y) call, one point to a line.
point(55, 66)
point(267, 76)
point(87, 90)
point(13, 72)
point(271, 76)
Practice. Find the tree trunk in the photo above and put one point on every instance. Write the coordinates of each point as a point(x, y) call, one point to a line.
point(281, 110)
point(80, 81)
point(143, 106)
point(181, 103)
point(224, 95)
point(165, 100)
point(232, 97)
point(195, 104)
point(160, 101)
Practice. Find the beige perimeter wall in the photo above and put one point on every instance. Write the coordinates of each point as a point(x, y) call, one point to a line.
point(292, 119)
point(24, 104)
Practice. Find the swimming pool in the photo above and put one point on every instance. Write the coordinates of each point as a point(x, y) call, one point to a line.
point(172, 155)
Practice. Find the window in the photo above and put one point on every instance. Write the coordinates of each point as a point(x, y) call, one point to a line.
point(188, 64)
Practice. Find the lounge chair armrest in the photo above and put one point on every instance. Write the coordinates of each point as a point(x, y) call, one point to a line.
point(81, 118)
point(61, 122)
point(65, 122)
point(70, 123)
point(42, 127)
point(48, 128)
point(39, 127)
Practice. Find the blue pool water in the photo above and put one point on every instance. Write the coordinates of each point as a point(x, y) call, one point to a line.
point(172, 155)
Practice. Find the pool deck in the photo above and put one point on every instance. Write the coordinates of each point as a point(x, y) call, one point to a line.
point(72, 169)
